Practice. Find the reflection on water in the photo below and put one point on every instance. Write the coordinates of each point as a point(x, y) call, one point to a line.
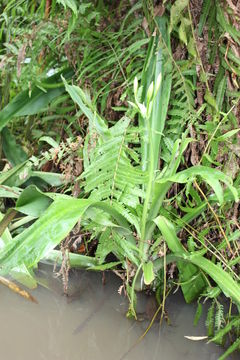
point(91, 325)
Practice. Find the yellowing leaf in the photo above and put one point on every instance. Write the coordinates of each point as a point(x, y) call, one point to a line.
point(148, 273)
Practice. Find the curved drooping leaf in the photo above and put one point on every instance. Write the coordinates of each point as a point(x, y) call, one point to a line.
point(17, 175)
point(192, 280)
point(32, 201)
point(12, 151)
point(209, 175)
point(71, 4)
point(19, 273)
point(80, 98)
point(48, 231)
point(223, 279)
point(20, 173)
point(176, 11)
point(24, 104)
point(9, 192)
point(36, 241)
point(75, 260)
point(51, 178)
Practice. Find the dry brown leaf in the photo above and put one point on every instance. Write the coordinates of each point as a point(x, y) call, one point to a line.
point(21, 57)
point(15, 288)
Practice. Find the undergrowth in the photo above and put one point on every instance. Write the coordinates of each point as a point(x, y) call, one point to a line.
point(120, 147)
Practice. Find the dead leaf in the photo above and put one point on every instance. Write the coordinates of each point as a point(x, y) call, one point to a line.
point(21, 57)
point(14, 287)
point(196, 338)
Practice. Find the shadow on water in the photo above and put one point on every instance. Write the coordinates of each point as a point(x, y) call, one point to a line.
point(90, 324)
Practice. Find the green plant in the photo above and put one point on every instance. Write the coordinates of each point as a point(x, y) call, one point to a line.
point(108, 171)
point(160, 180)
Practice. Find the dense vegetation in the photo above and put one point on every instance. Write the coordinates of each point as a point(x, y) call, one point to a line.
point(120, 147)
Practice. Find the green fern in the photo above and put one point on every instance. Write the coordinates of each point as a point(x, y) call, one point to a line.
point(181, 108)
point(110, 174)
point(234, 323)
point(113, 241)
point(181, 101)
point(219, 316)
point(210, 319)
point(220, 335)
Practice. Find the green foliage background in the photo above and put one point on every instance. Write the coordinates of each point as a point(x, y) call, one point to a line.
point(120, 144)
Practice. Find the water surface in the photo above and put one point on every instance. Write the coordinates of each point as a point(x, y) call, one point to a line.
point(91, 325)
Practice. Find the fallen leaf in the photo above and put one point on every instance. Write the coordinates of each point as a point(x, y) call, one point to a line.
point(196, 338)
point(15, 288)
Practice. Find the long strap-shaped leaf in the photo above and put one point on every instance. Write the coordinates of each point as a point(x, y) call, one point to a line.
point(157, 65)
point(224, 280)
point(48, 231)
point(192, 280)
point(157, 62)
point(23, 104)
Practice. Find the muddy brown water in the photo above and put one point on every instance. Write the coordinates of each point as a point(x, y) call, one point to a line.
point(91, 325)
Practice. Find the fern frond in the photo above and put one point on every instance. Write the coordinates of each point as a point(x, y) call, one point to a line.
point(219, 316)
point(234, 323)
point(125, 248)
point(210, 319)
point(105, 245)
point(128, 215)
point(111, 173)
point(111, 241)
point(181, 102)
point(181, 109)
